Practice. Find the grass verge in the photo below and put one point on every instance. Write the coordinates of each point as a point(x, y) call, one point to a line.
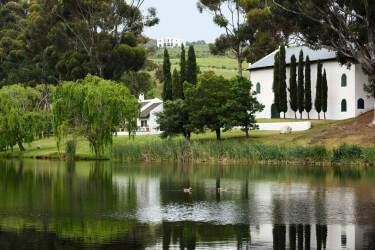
point(230, 151)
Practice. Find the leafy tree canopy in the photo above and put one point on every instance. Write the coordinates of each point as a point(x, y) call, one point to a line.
point(24, 114)
point(94, 108)
point(46, 41)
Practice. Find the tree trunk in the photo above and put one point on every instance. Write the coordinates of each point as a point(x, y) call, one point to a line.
point(188, 135)
point(295, 115)
point(300, 116)
point(21, 147)
point(318, 116)
point(372, 124)
point(247, 132)
point(239, 62)
point(325, 116)
point(284, 115)
point(218, 135)
point(308, 116)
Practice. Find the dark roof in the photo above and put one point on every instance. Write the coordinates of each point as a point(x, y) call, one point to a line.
point(146, 113)
point(314, 55)
point(144, 104)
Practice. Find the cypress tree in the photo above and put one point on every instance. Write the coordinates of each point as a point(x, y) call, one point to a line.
point(318, 95)
point(301, 90)
point(183, 64)
point(191, 66)
point(308, 99)
point(177, 89)
point(283, 98)
point(167, 87)
point(293, 85)
point(324, 94)
point(276, 81)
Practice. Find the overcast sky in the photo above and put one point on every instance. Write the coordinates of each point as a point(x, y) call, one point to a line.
point(181, 19)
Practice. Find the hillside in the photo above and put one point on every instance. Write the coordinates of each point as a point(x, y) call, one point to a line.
point(329, 133)
point(221, 65)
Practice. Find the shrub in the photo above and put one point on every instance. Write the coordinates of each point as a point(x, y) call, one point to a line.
point(347, 152)
point(70, 149)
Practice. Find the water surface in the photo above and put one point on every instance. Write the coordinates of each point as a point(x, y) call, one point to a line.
point(88, 205)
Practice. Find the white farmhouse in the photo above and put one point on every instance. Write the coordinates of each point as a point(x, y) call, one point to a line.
point(170, 42)
point(146, 123)
point(346, 95)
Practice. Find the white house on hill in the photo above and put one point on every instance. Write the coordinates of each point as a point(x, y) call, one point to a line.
point(346, 95)
point(169, 42)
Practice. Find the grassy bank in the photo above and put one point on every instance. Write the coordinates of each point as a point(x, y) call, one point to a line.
point(230, 151)
point(320, 144)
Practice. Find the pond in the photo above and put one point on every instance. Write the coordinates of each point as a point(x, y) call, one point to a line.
point(106, 205)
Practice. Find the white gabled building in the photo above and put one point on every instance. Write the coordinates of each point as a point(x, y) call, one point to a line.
point(146, 123)
point(170, 42)
point(346, 95)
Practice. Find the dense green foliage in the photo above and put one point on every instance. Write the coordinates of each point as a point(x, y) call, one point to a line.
point(177, 86)
point(344, 26)
point(300, 85)
point(206, 103)
point(232, 151)
point(293, 90)
point(93, 108)
point(242, 105)
point(24, 114)
point(174, 119)
point(318, 95)
point(282, 91)
point(276, 81)
point(308, 98)
point(49, 41)
point(215, 103)
point(167, 76)
point(138, 82)
point(191, 66)
point(249, 33)
point(183, 65)
point(324, 93)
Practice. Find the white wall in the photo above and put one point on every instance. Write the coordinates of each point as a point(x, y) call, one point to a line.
point(154, 126)
point(278, 126)
point(336, 93)
point(362, 79)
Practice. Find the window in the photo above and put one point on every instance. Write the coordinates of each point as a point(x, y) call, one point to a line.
point(360, 104)
point(343, 106)
point(144, 123)
point(258, 88)
point(344, 80)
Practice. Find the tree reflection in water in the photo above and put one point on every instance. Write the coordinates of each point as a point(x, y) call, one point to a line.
point(57, 205)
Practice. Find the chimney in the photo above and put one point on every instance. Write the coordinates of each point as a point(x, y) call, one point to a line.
point(141, 97)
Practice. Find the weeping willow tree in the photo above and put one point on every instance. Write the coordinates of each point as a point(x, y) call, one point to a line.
point(93, 108)
point(24, 115)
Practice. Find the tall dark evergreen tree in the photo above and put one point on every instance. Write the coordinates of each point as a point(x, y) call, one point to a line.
point(308, 99)
point(183, 64)
point(167, 88)
point(318, 95)
point(283, 99)
point(276, 81)
point(191, 66)
point(177, 89)
point(293, 85)
point(301, 90)
point(324, 94)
